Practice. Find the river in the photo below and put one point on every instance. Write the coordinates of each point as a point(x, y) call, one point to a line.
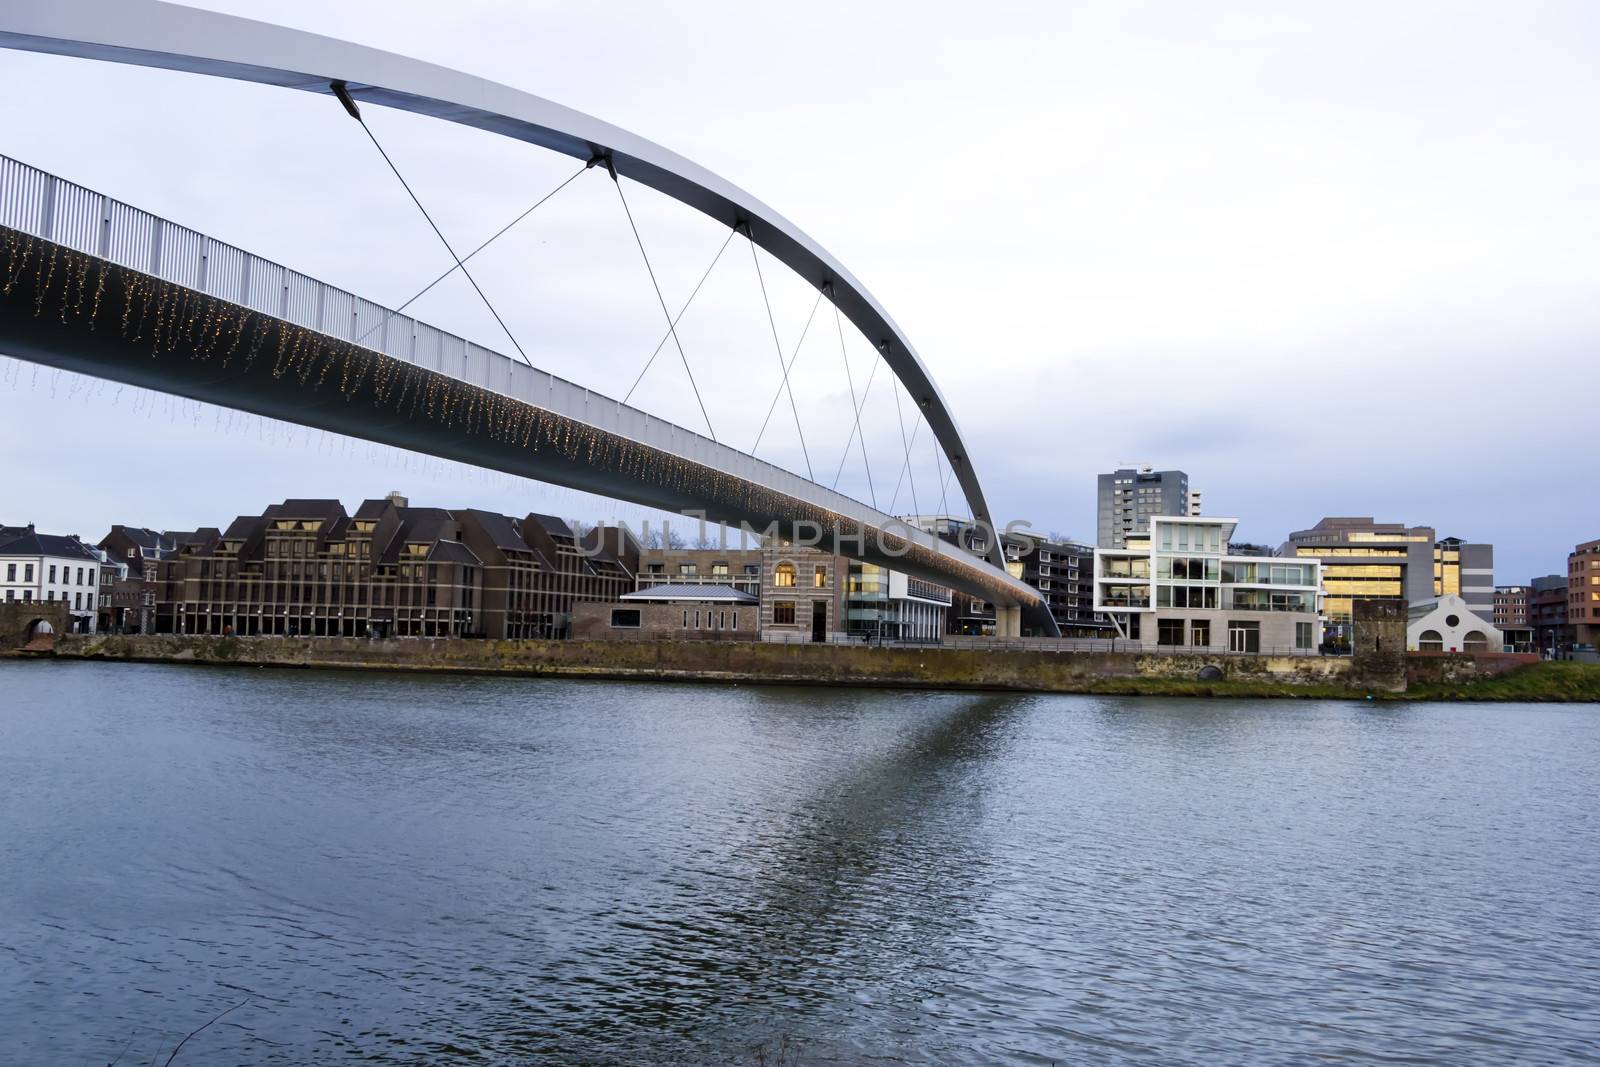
point(436, 870)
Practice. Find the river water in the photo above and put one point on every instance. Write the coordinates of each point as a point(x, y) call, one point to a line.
point(389, 869)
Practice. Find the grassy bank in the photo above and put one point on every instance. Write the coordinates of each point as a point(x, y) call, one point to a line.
point(1555, 681)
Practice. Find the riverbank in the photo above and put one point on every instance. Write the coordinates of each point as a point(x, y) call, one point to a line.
point(1107, 673)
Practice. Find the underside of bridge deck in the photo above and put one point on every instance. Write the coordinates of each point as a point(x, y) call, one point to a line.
point(67, 309)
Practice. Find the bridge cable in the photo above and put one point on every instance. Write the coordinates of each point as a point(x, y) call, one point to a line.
point(906, 469)
point(857, 428)
point(672, 324)
point(778, 347)
point(343, 94)
point(468, 257)
point(938, 472)
point(796, 355)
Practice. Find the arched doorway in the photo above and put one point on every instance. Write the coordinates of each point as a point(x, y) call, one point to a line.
point(41, 636)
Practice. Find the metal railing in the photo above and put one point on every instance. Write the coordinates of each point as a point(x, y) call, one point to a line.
point(46, 206)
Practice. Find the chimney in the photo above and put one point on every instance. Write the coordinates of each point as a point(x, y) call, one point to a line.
point(396, 499)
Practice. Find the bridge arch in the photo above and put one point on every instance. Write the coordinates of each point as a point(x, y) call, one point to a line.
point(152, 33)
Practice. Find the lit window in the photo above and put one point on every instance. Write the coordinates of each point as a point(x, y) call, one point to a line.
point(783, 578)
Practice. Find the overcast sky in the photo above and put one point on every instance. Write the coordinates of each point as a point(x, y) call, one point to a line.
point(1329, 258)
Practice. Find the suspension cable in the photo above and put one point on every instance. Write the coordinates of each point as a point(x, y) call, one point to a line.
point(850, 378)
point(778, 347)
point(796, 355)
point(906, 469)
point(938, 472)
point(420, 293)
point(865, 390)
point(674, 325)
point(343, 93)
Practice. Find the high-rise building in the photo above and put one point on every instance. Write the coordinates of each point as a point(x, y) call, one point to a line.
point(1583, 593)
point(1127, 499)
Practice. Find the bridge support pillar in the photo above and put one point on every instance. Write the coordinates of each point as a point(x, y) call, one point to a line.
point(1007, 621)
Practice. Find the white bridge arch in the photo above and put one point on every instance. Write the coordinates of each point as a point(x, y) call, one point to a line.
point(152, 33)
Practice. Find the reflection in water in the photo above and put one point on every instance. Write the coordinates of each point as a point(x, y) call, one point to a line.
point(442, 870)
point(858, 876)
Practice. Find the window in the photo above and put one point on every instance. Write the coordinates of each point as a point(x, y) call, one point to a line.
point(820, 578)
point(27, 572)
point(783, 612)
point(783, 577)
point(77, 602)
point(722, 620)
point(1200, 633)
point(697, 619)
point(736, 620)
point(11, 594)
point(90, 598)
point(1244, 637)
point(27, 596)
point(625, 618)
point(1302, 635)
point(719, 568)
point(1430, 641)
point(1169, 632)
point(1475, 641)
point(52, 572)
point(752, 568)
point(688, 568)
point(11, 572)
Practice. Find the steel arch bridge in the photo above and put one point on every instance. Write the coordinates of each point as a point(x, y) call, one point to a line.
point(239, 331)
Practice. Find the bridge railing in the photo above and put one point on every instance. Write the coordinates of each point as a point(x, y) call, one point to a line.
point(42, 204)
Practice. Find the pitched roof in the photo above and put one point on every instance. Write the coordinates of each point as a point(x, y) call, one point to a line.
point(445, 551)
point(502, 530)
point(666, 594)
point(244, 527)
point(553, 526)
point(21, 541)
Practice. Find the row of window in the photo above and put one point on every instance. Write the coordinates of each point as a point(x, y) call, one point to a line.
point(717, 619)
point(717, 569)
point(784, 575)
point(50, 595)
point(85, 574)
point(1242, 636)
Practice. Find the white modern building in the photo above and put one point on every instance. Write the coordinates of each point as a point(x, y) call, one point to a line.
point(1450, 624)
point(1175, 586)
point(49, 568)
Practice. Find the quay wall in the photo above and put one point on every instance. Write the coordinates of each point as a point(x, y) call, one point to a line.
point(747, 662)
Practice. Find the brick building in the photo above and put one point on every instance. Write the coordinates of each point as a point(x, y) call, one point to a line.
point(309, 568)
point(1583, 593)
